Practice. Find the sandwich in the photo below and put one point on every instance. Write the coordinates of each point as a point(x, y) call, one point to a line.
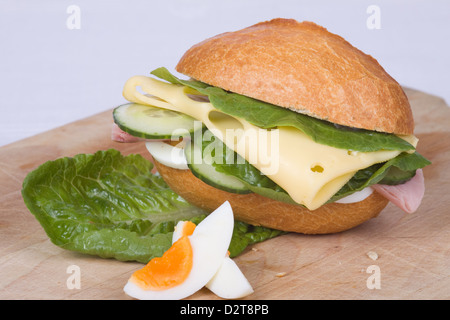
point(292, 125)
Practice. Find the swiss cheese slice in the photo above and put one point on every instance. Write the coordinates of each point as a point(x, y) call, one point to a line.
point(309, 172)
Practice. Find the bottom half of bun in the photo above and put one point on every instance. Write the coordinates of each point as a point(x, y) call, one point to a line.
point(261, 211)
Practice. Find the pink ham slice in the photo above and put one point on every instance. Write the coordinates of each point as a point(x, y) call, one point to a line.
point(407, 196)
point(119, 135)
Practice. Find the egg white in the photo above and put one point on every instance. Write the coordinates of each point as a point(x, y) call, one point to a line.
point(356, 196)
point(167, 154)
point(210, 242)
point(229, 282)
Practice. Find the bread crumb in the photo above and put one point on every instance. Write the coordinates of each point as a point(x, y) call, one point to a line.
point(280, 274)
point(372, 255)
point(254, 249)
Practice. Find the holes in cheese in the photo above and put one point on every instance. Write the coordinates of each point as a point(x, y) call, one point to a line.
point(286, 155)
point(317, 168)
point(223, 122)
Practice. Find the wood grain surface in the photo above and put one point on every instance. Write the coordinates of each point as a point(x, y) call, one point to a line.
point(413, 250)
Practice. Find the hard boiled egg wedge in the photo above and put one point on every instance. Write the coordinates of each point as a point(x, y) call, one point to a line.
point(189, 264)
point(229, 282)
point(167, 154)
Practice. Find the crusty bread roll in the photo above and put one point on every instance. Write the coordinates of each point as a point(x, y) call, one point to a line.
point(303, 67)
point(261, 211)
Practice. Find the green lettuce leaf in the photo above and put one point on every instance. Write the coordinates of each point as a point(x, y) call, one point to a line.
point(383, 173)
point(257, 182)
point(266, 115)
point(112, 206)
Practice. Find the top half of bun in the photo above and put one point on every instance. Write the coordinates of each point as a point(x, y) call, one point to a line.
point(303, 67)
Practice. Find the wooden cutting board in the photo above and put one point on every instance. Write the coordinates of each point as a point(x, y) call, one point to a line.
point(412, 250)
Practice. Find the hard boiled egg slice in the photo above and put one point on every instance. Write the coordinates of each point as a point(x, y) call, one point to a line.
point(189, 264)
point(229, 282)
point(183, 228)
point(357, 196)
point(167, 154)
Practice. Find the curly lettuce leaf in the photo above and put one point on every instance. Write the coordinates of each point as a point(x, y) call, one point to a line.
point(112, 206)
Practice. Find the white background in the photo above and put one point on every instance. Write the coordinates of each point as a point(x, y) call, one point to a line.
point(51, 75)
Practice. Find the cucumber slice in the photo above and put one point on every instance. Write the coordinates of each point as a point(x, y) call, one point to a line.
point(150, 122)
point(208, 174)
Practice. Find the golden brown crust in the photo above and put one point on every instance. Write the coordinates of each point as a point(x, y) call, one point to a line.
point(257, 210)
point(303, 67)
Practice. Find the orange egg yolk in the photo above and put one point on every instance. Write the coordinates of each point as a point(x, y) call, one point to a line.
point(188, 228)
point(171, 269)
